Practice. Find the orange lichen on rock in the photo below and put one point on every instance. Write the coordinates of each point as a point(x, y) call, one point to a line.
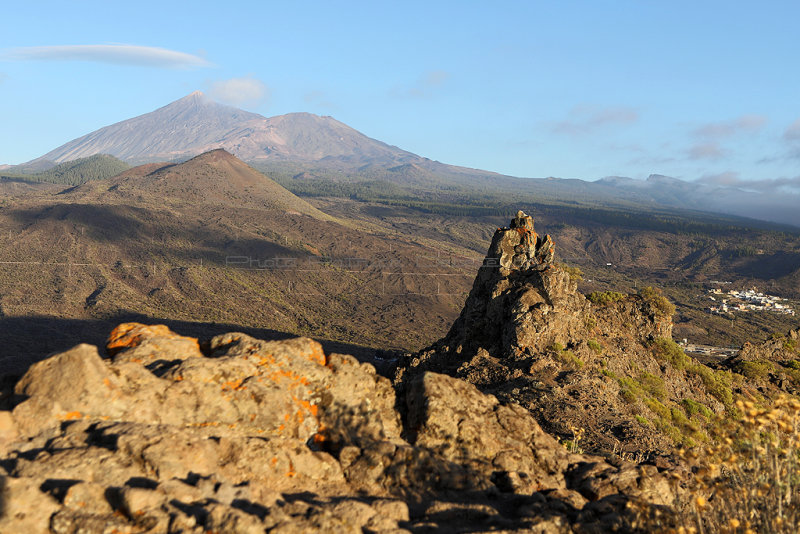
point(130, 335)
point(317, 355)
point(234, 385)
point(312, 408)
point(281, 374)
point(269, 359)
point(72, 415)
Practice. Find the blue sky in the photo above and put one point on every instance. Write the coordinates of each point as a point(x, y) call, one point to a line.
point(696, 90)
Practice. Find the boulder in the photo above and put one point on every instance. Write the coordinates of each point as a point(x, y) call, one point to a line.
point(467, 427)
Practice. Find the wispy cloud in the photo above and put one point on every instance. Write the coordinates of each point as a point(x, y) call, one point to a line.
point(710, 150)
point(792, 133)
point(727, 179)
point(745, 123)
point(3, 77)
point(424, 87)
point(240, 91)
point(117, 54)
point(585, 120)
point(734, 179)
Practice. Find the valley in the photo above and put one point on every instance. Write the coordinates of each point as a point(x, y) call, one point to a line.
point(212, 241)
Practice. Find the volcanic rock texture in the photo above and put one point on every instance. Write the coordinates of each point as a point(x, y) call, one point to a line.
point(164, 434)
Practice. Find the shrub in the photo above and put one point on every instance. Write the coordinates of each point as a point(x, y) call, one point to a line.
point(717, 383)
point(667, 350)
point(659, 409)
point(604, 298)
point(595, 346)
point(755, 369)
point(692, 407)
point(569, 358)
point(654, 385)
point(627, 395)
point(574, 272)
point(659, 302)
point(643, 421)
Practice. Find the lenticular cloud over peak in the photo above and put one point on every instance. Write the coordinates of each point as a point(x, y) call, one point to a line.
point(120, 54)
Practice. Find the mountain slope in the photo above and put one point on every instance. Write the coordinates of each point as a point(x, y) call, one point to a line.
point(213, 178)
point(319, 150)
point(196, 124)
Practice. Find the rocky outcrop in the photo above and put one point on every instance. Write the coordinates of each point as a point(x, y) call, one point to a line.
point(588, 372)
point(772, 365)
point(520, 300)
point(778, 348)
point(165, 434)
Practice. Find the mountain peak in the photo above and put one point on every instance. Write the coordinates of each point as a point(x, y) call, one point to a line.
point(195, 124)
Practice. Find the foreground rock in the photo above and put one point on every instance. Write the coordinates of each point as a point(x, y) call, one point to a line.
point(164, 434)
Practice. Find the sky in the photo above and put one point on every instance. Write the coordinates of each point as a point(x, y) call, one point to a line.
point(705, 91)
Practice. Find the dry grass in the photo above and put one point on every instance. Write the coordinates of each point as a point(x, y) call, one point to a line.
point(748, 481)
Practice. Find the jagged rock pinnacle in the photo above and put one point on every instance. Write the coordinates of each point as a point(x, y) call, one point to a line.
point(520, 301)
point(518, 247)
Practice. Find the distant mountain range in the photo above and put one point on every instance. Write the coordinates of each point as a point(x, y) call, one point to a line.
point(310, 147)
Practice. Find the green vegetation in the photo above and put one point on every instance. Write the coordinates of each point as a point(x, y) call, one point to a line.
point(756, 369)
point(669, 351)
point(744, 252)
point(658, 301)
point(604, 298)
point(653, 385)
point(717, 383)
point(574, 272)
point(643, 421)
point(569, 358)
point(692, 408)
point(595, 346)
point(682, 422)
point(566, 356)
point(76, 172)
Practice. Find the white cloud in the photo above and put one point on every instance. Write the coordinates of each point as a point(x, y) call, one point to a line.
point(118, 54)
point(240, 91)
point(585, 120)
point(745, 123)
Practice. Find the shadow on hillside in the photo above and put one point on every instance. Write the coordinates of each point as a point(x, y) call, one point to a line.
point(147, 232)
point(27, 340)
point(769, 266)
